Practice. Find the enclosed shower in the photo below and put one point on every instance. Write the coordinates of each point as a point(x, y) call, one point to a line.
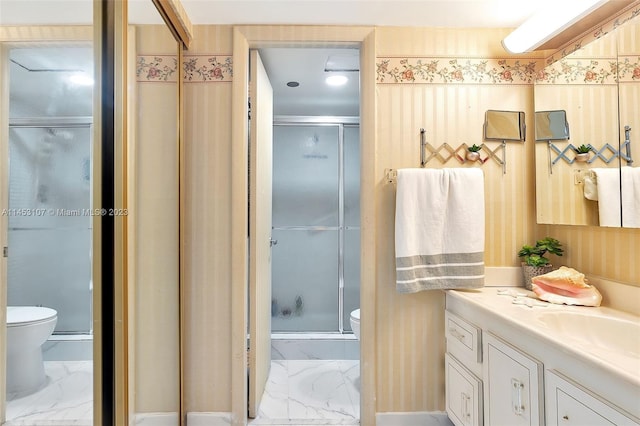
point(316, 223)
point(49, 216)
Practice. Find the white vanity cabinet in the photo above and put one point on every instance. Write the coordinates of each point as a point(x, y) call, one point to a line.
point(502, 369)
point(513, 385)
point(569, 404)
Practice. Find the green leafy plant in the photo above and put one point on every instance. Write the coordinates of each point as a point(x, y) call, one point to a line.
point(474, 148)
point(534, 255)
point(583, 149)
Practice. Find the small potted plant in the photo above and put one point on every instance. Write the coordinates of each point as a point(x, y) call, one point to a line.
point(533, 261)
point(473, 152)
point(582, 153)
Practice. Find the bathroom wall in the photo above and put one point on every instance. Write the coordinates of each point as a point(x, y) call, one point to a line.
point(153, 222)
point(471, 74)
point(207, 233)
point(443, 81)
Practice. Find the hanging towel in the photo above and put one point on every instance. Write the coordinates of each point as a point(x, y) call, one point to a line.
point(630, 197)
point(590, 189)
point(608, 181)
point(439, 229)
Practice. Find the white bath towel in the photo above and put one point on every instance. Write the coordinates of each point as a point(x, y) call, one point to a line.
point(608, 181)
point(439, 229)
point(590, 189)
point(631, 197)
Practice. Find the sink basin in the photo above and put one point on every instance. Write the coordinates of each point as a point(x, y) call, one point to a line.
point(614, 334)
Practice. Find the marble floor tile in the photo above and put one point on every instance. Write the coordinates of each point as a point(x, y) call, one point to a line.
point(318, 392)
point(66, 400)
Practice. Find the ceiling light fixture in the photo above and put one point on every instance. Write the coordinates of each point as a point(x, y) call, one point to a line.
point(548, 23)
point(336, 80)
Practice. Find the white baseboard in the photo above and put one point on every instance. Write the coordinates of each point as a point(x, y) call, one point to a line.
point(156, 419)
point(209, 419)
point(422, 418)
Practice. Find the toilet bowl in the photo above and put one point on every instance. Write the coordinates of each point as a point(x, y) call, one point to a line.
point(355, 322)
point(28, 327)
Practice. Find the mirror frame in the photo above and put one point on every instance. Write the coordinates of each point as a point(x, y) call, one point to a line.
point(516, 117)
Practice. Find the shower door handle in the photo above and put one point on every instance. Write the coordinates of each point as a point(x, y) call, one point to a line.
point(272, 242)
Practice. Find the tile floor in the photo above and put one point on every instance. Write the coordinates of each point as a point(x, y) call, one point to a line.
point(299, 392)
point(67, 400)
point(311, 392)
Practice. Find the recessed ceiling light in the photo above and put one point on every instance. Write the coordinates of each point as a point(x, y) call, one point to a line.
point(336, 80)
point(293, 84)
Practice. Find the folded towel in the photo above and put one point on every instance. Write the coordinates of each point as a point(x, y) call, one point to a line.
point(631, 197)
point(439, 229)
point(590, 189)
point(608, 181)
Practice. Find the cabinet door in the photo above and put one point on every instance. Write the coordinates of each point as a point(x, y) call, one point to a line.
point(570, 404)
point(512, 385)
point(463, 394)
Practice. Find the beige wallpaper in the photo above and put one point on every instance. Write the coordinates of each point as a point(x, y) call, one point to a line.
point(466, 74)
point(207, 242)
point(154, 223)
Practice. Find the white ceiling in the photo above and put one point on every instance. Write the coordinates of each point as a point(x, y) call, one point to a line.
point(440, 13)
point(424, 13)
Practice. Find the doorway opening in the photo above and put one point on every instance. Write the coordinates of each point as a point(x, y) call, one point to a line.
point(315, 237)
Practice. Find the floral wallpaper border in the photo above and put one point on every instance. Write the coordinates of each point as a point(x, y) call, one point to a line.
point(208, 68)
point(629, 69)
point(157, 68)
point(197, 68)
point(455, 70)
point(594, 71)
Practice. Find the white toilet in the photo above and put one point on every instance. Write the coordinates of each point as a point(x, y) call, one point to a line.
point(28, 327)
point(355, 322)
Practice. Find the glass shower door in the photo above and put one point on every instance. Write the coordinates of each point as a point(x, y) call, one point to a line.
point(306, 226)
point(50, 223)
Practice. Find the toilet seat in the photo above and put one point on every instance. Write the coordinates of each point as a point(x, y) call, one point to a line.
point(355, 315)
point(28, 315)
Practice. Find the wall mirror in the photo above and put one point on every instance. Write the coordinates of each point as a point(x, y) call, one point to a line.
point(598, 105)
point(551, 125)
point(46, 116)
point(504, 125)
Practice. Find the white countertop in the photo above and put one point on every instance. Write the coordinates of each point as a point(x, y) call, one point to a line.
point(588, 341)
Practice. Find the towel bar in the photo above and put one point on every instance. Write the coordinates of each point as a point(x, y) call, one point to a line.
point(580, 174)
point(390, 175)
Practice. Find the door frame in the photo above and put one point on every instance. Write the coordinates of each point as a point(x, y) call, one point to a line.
point(249, 37)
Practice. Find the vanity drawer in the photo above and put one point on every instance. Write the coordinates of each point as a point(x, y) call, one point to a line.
point(463, 336)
